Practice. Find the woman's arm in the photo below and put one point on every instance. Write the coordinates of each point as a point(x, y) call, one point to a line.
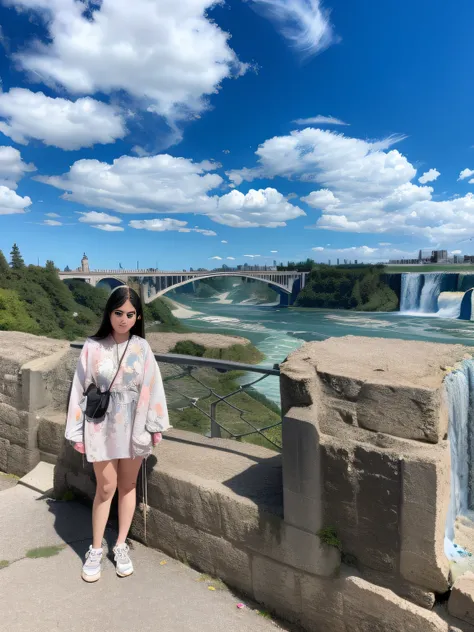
point(75, 416)
point(152, 407)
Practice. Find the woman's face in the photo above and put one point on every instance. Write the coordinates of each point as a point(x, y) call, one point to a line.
point(123, 318)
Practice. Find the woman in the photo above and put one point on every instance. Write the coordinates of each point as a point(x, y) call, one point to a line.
point(116, 358)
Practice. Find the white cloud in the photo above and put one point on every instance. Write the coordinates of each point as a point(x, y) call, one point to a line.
point(429, 176)
point(320, 199)
point(110, 228)
point(368, 185)
point(384, 243)
point(466, 173)
point(52, 215)
point(162, 225)
point(11, 203)
point(304, 23)
point(58, 122)
point(166, 184)
point(456, 252)
point(320, 120)
point(265, 207)
point(159, 183)
point(216, 258)
point(318, 249)
point(230, 258)
point(93, 217)
point(12, 167)
point(169, 56)
point(224, 241)
point(252, 256)
point(366, 254)
point(471, 181)
point(52, 222)
point(274, 251)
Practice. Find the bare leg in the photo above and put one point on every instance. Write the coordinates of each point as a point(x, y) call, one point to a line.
point(127, 488)
point(106, 474)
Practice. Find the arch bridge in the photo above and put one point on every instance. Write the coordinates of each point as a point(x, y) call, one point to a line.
point(157, 283)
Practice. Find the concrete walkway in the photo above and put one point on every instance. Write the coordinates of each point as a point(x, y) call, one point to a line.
point(46, 593)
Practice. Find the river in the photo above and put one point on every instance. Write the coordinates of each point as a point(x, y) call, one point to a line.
point(279, 331)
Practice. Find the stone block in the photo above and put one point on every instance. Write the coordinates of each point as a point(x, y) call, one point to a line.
point(426, 489)
point(213, 555)
point(50, 436)
point(461, 600)
point(184, 496)
point(339, 386)
point(15, 435)
point(81, 482)
point(289, 431)
point(36, 392)
point(269, 535)
point(322, 604)
point(278, 587)
point(4, 447)
point(298, 383)
point(416, 594)
point(409, 412)
point(21, 460)
point(370, 608)
point(378, 499)
point(340, 493)
point(304, 513)
point(60, 484)
point(160, 530)
point(10, 416)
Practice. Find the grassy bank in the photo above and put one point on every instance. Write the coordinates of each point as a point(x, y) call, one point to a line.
point(258, 409)
point(34, 300)
point(361, 288)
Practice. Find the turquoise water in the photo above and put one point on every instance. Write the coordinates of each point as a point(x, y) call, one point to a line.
point(279, 331)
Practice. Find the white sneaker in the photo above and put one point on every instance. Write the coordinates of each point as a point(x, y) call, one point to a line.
point(123, 563)
point(93, 565)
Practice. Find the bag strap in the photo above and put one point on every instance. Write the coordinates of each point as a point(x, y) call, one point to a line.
point(120, 364)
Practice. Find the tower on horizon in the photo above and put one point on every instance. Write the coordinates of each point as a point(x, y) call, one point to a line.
point(85, 263)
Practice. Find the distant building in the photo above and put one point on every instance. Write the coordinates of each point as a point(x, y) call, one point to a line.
point(85, 264)
point(439, 256)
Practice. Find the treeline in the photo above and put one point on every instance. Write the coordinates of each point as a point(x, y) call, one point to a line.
point(359, 288)
point(34, 300)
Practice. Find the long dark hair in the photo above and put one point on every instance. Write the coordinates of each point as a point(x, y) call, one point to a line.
point(118, 297)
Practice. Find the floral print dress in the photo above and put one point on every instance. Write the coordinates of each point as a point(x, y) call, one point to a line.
point(137, 407)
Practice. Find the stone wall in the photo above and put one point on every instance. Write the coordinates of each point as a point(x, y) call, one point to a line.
point(365, 456)
point(24, 360)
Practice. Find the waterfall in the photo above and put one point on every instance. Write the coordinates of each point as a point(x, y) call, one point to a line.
point(433, 294)
point(411, 291)
point(430, 292)
point(449, 304)
point(460, 394)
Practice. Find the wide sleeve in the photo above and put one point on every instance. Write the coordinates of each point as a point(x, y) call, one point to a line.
point(75, 414)
point(152, 410)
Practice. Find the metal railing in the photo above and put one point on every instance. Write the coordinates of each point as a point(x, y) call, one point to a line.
point(185, 377)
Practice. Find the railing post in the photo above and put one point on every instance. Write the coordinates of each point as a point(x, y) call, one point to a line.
point(215, 429)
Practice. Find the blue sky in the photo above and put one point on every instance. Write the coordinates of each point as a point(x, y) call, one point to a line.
point(193, 133)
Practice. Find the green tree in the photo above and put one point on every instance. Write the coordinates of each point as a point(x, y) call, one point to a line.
point(16, 262)
point(13, 314)
point(4, 267)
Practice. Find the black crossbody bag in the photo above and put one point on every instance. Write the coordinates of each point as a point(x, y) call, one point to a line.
point(98, 401)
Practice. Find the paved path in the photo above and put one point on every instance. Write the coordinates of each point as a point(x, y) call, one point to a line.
point(47, 593)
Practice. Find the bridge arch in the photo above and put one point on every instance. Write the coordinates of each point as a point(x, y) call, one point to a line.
point(154, 288)
point(110, 281)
